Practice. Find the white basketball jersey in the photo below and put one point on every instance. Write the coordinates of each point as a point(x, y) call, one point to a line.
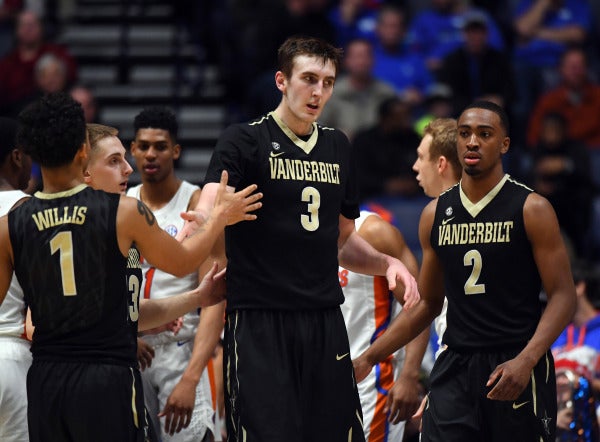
point(368, 308)
point(158, 284)
point(12, 310)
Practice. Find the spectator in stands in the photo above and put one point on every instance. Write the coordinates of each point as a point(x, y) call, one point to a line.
point(577, 98)
point(386, 152)
point(50, 75)
point(544, 29)
point(438, 104)
point(475, 70)
point(393, 62)
point(436, 31)
point(354, 19)
point(85, 96)
point(17, 68)
point(577, 358)
point(8, 12)
point(358, 93)
point(561, 172)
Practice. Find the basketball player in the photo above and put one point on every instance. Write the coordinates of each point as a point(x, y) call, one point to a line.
point(368, 308)
point(438, 169)
point(15, 357)
point(288, 374)
point(491, 243)
point(83, 381)
point(176, 383)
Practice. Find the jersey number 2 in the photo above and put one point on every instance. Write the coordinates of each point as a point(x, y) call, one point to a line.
point(473, 258)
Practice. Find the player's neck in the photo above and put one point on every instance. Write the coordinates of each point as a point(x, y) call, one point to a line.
point(157, 194)
point(6, 185)
point(297, 126)
point(478, 186)
point(61, 179)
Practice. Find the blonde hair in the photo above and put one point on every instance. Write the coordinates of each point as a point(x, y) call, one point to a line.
point(444, 132)
point(97, 132)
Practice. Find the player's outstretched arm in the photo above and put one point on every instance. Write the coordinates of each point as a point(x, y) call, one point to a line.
point(408, 324)
point(136, 224)
point(552, 261)
point(404, 397)
point(212, 195)
point(210, 291)
point(357, 255)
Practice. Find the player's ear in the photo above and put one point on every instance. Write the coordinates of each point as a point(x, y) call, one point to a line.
point(505, 145)
point(280, 81)
point(176, 151)
point(87, 176)
point(16, 157)
point(442, 164)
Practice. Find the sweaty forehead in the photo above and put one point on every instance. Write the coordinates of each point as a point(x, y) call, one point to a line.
point(109, 146)
point(313, 64)
point(152, 134)
point(474, 117)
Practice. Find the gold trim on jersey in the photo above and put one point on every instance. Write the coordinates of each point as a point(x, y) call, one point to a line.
point(306, 146)
point(475, 208)
point(49, 196)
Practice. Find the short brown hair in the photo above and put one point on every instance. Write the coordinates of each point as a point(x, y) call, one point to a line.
point(315, 47)
point(444, 134)
point(97, 132)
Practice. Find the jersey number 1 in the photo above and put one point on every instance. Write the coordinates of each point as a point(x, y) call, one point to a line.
point(63, 243)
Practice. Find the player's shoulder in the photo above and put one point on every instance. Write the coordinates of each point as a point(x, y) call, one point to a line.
point(244, 133)
point(332, 132)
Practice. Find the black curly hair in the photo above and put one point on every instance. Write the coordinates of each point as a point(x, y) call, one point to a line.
point(52, 129)
point(157, 117)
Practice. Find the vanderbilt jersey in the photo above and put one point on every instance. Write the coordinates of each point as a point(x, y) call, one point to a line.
point(491, 279)
point(83, 296)
point(287, 258)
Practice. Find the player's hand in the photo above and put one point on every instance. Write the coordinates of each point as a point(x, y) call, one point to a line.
point(564, 418)
point(172, 326)
point(419, 413)
point(397, 272)
point(361, 368)
point(193, 220)
point(211, 290)
point(403, 399)
point(510, 378)
point(175, 325)
point(179, 407)
point(236, 206)
point(145, 354)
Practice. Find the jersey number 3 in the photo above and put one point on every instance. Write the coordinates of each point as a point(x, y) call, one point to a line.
point(311, 196)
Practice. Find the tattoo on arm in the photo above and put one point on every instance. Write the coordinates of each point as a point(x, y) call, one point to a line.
point(146, 212)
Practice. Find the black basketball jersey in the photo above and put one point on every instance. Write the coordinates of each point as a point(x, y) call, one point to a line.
point(83, 293)
point(491, 279)
point(287, 258)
